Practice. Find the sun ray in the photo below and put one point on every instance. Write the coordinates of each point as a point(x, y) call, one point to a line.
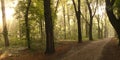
point(9, 11)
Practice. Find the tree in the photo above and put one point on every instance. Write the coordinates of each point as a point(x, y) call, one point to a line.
point(78, 16)
point(68, 18)
point(98, 21)
point(27, 24)
point(35, 22)
point(63, 6)
point(48, 28)
point(115, 21)
point(5, 31)
point(92, 14)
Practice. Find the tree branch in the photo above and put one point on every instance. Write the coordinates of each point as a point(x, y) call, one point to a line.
point(85, 19)
point(57, 5)
point(94, 11)
point(88, 5)
point(74, 6)
point(112, 2)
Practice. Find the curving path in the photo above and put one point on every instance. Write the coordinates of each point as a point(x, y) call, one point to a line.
point(91, 51)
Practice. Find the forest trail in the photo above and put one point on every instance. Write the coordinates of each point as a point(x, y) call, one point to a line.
point(104, 49)
point(91, 51)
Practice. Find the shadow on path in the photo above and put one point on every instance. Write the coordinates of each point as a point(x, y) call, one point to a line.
point(111, 51)
point(91, 51)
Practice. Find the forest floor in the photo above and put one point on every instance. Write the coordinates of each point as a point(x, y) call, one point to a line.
point(105, 49)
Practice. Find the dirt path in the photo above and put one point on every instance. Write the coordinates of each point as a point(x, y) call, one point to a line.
point(111, 51)
point(91, 51)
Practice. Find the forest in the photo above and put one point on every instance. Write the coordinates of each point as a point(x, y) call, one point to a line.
point(60, 30)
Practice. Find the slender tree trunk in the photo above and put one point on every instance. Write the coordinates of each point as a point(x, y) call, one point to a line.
point(64, 22)
point(102, 29)
point(41, 29)
point(57, 5)
point(91, 19)
point(106, 30)
point(78, 16)
point(86, 24)
point(87, 29)
point(27, 24)
point(69, 29)
point(20, 34)
point(90, 29)
point(48, 28)
point(5, 31)
point(98, 20)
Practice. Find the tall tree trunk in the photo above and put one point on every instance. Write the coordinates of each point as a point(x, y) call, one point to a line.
point(41, 29)
point(91, 19)
point(69, 29)
point(102, 25)
point(5, 31)
point(48, 28)
point(90, 29)
point(87, 29)
point(106, 30)
point(98, 20)
point(64, 21)
point(79, 23)
point(112, 18)
point(86, 24)
point(78, 16)
point(27, 24)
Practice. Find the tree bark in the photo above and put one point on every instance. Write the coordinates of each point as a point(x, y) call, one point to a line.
point(112, 18)
point(64, 21)
point(57, 5)
point(106, 30)
point(91, 19)
point(27, 24)
point(5, 31)
point(98, 20)
point(78, 16)
point(48, 28)
point(69, 29)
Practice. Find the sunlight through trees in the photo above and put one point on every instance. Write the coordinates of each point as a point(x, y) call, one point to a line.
point(42, 24)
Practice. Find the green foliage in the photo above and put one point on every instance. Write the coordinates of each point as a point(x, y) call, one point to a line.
point(35, 16)
point(117, 7)
point(117, 3)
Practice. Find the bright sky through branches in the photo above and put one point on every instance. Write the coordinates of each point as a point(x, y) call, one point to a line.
point(101, 10)
point(9, 10)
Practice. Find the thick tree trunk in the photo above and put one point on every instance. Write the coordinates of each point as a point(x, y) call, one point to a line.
point(112, 18)
point(48, 28)
point(5, 31)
